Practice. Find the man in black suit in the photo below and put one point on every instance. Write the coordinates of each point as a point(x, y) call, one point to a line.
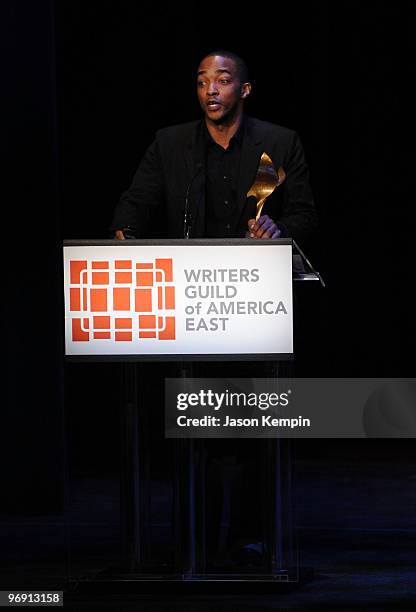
point(213, 163)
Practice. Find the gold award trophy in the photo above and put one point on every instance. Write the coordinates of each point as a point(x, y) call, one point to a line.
point(266, 181)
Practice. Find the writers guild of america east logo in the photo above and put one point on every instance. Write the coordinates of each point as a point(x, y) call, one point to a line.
point(122, 300)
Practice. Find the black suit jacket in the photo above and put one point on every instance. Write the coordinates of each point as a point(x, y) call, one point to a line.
point(155, 202)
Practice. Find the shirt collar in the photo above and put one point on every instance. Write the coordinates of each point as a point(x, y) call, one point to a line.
point(238, 136)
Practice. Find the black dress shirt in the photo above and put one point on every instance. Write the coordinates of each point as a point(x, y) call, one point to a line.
point(222, 167)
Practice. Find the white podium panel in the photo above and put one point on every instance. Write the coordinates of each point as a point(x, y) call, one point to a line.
point(161, 299)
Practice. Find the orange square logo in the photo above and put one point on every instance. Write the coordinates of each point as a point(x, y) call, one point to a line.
point(101, 291)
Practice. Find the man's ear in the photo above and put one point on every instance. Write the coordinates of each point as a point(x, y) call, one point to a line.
point(245, 90)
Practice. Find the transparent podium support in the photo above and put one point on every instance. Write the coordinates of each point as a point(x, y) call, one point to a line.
point(191, 504)
point(187, 558)
point(135, 474)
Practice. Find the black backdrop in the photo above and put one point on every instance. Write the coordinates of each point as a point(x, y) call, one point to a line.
point(86, 86)
point(331, 74)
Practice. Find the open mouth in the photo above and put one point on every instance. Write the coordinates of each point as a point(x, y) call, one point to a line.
point(213, 106)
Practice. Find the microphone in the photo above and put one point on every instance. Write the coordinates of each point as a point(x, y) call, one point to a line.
point(187, 217)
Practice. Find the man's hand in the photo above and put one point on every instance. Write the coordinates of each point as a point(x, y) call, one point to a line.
point(119, 235)
point(263, 228)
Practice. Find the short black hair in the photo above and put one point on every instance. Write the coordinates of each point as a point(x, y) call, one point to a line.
point(239, 62)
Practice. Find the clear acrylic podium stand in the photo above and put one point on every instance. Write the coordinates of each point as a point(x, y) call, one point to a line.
point(186, 560)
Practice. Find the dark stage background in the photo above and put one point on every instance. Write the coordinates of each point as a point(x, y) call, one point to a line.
point(86, 85)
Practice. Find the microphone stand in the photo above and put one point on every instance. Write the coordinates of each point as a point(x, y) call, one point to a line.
point(187, 217)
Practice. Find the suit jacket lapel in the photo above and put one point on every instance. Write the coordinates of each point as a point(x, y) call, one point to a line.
point(250, 157)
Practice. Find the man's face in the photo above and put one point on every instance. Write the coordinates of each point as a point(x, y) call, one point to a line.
point(220, 91)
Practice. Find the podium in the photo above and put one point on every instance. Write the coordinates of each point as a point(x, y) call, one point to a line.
point(188, 302)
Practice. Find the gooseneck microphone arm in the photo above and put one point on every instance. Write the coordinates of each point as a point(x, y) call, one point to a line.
point(187, 217)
